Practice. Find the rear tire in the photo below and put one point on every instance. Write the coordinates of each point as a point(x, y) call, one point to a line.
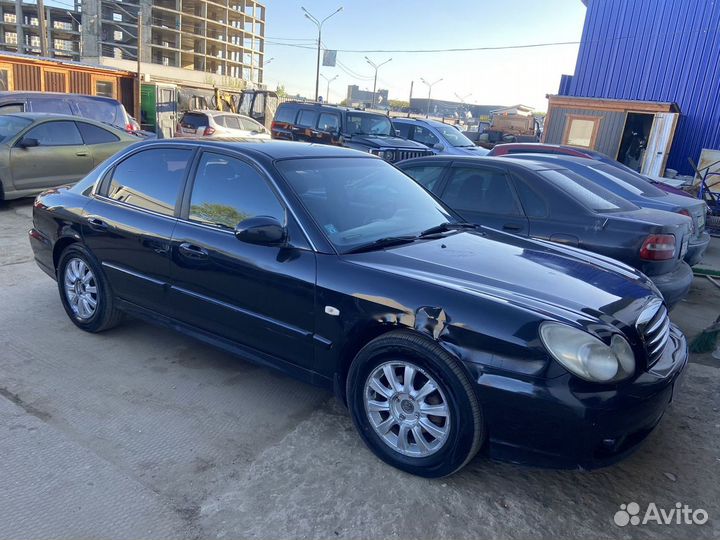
point(430, 433)
point(84, 291)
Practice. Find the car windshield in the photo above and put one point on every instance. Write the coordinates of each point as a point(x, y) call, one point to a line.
point(356, 201)
point(11, 126)
point(368, 124)
point(453, 136)
point(630, 181)
point(587, 193)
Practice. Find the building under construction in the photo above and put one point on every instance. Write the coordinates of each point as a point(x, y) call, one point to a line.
point(221, 37)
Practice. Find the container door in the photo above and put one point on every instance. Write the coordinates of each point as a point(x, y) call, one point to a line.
point(167, 110)
point(659, 142)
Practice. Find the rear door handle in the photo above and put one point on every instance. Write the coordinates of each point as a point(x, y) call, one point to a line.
point(511, 227)
point(97, 224)
point(191, 251)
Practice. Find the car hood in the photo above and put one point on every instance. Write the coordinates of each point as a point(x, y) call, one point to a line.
point(377, 141)
point(560, 282)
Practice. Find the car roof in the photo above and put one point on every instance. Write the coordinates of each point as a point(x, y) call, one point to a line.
point(269, 149)
point(311, 104)
point(421, 121)
point(53, 95)
point(522, 163)
point(55, 116)
point(558, 157)
point(213, 112)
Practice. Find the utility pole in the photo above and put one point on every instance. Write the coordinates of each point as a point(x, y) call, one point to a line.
point(43, 29)
point(376, 67)
point(412, 83)
point(19, 26)
point(138, 84)
point(319, 24)
point(429, 85)
point(327, 94)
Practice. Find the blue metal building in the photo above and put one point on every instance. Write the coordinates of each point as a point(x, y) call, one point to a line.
point(652, 51)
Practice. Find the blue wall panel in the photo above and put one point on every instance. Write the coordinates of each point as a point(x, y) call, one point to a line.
point(656, 50)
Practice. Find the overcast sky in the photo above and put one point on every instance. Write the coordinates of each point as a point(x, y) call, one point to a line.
point(503, 77)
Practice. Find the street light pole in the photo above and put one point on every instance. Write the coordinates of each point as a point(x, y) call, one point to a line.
point(376, 67)
point(319, 24)
point(327, 94)
point(429, 85)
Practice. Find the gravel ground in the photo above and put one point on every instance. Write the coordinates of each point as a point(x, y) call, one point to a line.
point(144, 433)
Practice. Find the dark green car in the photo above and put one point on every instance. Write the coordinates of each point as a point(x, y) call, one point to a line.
point(40, 151)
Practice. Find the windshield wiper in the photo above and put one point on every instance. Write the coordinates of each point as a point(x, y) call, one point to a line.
point(445, 227)
point(383, 243)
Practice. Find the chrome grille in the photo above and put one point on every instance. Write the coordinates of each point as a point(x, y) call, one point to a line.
point(654, 328)
point(408, 154)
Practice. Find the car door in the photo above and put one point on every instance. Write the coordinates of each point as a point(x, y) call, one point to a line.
point(304, 128)
point(328, 128)
point(129, 223)
point(424, 135)
point(484, 195)
point(102, 143)
point(60, 157)
point(233, 127)
point(255, 295)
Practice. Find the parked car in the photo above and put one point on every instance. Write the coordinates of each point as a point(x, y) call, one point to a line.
point(633, 187)
point(103, 109)
point(334, 267)
point(441, 138)
point(550, 202)
point(207, 123)
point(38, 150)
point(560, 149)
point(341, 126)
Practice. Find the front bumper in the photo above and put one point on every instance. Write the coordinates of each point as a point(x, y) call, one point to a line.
point(674, 285)
point(697, 248)
point(567, 423)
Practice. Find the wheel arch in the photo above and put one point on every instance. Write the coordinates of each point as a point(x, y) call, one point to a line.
point(61, 245)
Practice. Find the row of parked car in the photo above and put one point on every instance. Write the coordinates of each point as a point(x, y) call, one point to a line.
point(562, 194)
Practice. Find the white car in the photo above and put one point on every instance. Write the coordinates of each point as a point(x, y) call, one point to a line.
point(220, 124)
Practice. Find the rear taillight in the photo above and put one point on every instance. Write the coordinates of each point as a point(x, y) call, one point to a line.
point(208, 131)
point(658, 247)
point(274, 125)
point(686, 212)
point(129, 128)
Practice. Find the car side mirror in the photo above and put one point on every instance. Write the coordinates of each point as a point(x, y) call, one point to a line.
point(261, 230)
point(439, 146)
point(28, 142)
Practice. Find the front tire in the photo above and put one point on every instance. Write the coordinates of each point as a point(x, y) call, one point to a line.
point(85, 292)
point(414, 406)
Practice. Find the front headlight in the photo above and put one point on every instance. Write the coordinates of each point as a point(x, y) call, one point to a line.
point(585, 355)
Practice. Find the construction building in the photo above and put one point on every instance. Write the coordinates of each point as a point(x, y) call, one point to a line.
point(220, 37)
point(20, 32)
point(364, 98)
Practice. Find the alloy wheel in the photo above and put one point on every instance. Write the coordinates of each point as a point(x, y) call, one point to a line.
point(80, 288)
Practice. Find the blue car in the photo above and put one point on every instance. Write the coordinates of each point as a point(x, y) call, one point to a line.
point(635, 188)
point(442, 139)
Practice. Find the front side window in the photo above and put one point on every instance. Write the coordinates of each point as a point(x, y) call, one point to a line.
point(368, 124)
point(360, 200)
point(402, 129)
point(476, 189)
point(424, 136)
point(60, 133)
point(96, 135)
point(428, 176)
point(227, 191)
point(151, 179)
point(453, 136)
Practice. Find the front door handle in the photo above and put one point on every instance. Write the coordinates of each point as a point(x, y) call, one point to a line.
point(97, 224)
point(512, 227)
point(191, 251)
point(81, 154)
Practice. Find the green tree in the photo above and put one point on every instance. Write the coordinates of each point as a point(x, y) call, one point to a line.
point(280, 91)
point(398, 104)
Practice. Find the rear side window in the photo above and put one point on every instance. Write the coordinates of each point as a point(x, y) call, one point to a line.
point(109, 112)
point(428, 176)
point(532, 202)
point(194, 120)
point(306, 119)
point(226, 191)
point(151, 179)
point(60, 133)
point(57, 106)
point(285, 114)
point(329, 122)
point(96, 135)
point(232, 122)
point(403, 129)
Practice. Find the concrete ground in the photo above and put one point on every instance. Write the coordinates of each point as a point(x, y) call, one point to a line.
point(144, 433)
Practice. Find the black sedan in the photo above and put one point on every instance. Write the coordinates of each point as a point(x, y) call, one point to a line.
point(550, 202)
point(334, 267)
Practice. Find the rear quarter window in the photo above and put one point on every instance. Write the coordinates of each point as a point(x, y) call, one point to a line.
point(285, 114)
